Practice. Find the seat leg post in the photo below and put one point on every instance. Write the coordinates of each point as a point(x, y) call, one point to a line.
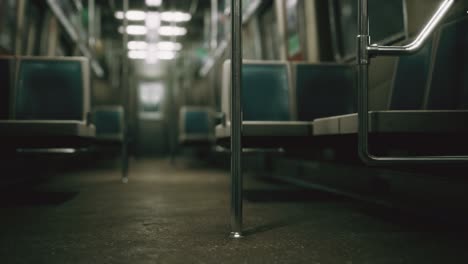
point(124, 161)
point(236, 121)
point(125, 95)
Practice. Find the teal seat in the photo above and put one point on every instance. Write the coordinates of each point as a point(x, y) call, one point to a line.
point(265, 94)
point(411, 79)
point(50, 89)
point(449, 81)
point(196, 124)
point(109, 121)
point(324, 90)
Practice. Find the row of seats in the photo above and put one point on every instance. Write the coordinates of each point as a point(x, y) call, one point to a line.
point(46, 97)
point(295, 103)
point(196, 125)
point(46, 105)
point(51, 96)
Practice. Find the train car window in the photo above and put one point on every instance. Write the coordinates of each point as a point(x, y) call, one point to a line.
point(269, 31)
point(30, 43)
point(251, 40)
point(387, 24)
point(293, 37)
point(450, 65)
point(223, 21)
point(151, 95)
point(296, 41)
point(7, 26)
point(43, 86)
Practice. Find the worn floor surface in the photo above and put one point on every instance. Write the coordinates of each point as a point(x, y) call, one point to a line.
point(181, 215)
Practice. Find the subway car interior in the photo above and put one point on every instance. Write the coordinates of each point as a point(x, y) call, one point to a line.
point(233, 131)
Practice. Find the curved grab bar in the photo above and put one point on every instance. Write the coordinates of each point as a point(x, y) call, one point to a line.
point(420, 39)
point(365, 52)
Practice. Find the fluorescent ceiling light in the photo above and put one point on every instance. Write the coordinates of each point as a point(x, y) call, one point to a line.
point(172, 31)
point(132, 15)
point(160, 46)
point(169, 16)
point(166, 55)
point(137, 45)
point(137, 54)
point(153, 3)
point(136, 30)
point(153, 20)
point(151, 57)
point(169, 46)
point(175, 16)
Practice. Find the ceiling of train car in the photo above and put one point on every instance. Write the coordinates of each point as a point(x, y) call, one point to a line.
point(197, 9)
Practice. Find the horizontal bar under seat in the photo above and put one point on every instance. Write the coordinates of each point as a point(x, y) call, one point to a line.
point(397, 121)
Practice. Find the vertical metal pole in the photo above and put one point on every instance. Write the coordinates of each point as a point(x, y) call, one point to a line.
point(236, 120)
point(125, 92)
point(363, 71)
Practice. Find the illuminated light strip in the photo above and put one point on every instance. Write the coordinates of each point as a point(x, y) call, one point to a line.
point(172, 31)
point(175, 16)
point(152, 56)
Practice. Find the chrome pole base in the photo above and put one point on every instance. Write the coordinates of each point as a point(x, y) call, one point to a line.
point(235, 235)
point(124, 180)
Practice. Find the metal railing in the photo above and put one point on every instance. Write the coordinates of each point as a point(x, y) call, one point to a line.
point(365, 52)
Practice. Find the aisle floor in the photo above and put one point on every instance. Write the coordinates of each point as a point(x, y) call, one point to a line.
point(180, 214)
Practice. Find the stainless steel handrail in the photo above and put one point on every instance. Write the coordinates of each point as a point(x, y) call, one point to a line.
point(365, 52)
point(419, 41)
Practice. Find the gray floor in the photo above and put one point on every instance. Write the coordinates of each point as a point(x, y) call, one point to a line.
point(181, 215)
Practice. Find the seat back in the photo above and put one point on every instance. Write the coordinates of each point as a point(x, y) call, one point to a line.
point(266, 91)
point(410, 80)
point(324, 90)
point(52, 89)
point(7, 77)
point(109, 121)
point(196, 123)
point(448, 84)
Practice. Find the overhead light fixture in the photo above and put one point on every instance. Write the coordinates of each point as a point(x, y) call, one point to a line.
point(136, 30)
point(169, 46)
point(137, 54)
point(160, 46)
point(175, 16)
point(132, 15)
point(166, 55)
point(151, 57)
point(154, 3)
point(155, 54)
point(172, 31)
point(168, 16)
point(137, 45)
point(153, 20)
